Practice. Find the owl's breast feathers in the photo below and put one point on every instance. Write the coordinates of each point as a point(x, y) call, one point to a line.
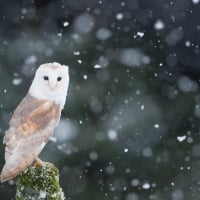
point(31, 126)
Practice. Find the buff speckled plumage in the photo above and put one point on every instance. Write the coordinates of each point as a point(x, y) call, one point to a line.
point(35, 118)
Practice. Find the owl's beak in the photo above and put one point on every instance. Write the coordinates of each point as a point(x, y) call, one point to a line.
point(52, 84)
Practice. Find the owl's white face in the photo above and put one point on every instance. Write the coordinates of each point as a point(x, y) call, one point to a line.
point(51, 82)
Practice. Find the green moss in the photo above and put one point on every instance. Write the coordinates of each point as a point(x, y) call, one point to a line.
point(39, 182)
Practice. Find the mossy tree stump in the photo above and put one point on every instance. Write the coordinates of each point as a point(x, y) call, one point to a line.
point(39, 182)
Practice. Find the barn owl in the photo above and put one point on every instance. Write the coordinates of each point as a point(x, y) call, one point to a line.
point(35, 118)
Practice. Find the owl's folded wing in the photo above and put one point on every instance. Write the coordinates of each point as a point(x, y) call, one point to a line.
point(30, 128)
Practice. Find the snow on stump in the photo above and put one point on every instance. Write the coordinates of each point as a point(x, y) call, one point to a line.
point(39, 182)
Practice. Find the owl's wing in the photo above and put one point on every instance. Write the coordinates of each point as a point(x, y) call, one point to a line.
point(30, 128)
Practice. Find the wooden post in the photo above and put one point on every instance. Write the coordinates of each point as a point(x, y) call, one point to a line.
point(39, 182)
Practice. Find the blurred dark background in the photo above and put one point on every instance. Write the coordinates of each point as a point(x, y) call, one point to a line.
point(130, 128)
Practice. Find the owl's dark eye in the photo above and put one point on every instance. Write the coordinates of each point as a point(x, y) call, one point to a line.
point(46, 78)
point(59, 78)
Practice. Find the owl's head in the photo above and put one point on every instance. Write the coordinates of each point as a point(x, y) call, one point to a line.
point(51, 82)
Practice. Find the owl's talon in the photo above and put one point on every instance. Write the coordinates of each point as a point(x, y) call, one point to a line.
point(39, 162)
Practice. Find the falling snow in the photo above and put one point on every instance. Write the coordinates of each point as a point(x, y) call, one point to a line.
point(93, 156)
point(59, 34)
point(195, 1)
point(65, 24)
point(147, 152)
point(112, 135)
point(187, 43)
point(146, 186)
point(130, 127)
point(185, 84)
point(119, 16)
point(159, 25)
point(85, 77)
point(125, 150)
point(140, 34)
point(97, 66)
point(135, 182)
point(84, 23)
point(103, 34)
point(181, 138)
point(133, 57)
point(76, 53)
point(156, 126)
point(17, 81)
point(142, 107)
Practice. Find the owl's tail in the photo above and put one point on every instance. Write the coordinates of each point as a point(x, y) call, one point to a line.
point(11, 169)
point(8, 173)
